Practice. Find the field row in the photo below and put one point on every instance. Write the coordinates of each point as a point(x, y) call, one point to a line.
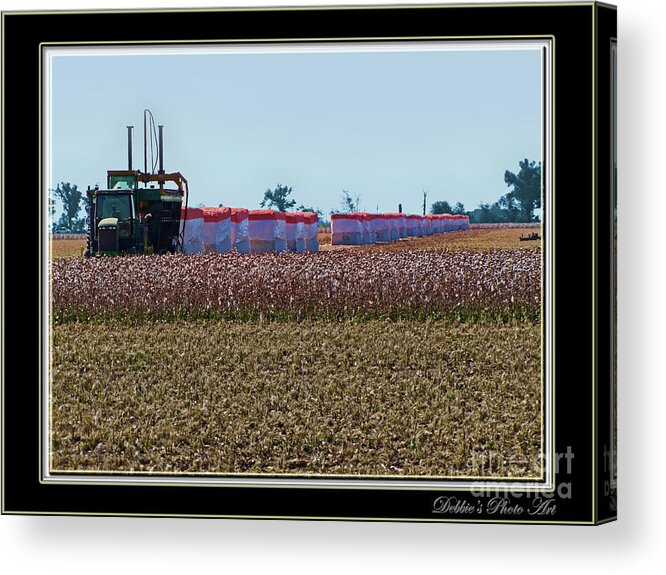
point(330, 285)
point(483, 239)
point(364, 398)
point(505, 226)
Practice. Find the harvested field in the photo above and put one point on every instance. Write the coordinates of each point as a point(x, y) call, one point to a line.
point(352, 397)
point(473, 239)
point(506, 225)
point(497, 284)
point(487, 236)
point(67, 248)
point(479, 239)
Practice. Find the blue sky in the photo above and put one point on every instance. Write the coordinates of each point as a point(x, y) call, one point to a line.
point(384, 125)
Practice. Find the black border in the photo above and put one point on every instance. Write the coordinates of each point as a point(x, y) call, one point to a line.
point(606, 489)
point(579, 195)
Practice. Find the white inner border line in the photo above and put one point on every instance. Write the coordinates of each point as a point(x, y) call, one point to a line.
point(547, 451)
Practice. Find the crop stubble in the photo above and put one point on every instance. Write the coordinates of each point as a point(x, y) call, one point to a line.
point(373, 397)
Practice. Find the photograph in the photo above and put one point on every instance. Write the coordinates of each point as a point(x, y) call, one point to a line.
point(298, 261)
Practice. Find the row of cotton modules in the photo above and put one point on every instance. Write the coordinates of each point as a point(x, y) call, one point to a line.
point(360, 228)
point(225, 229)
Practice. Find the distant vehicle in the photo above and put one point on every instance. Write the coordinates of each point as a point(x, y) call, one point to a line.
point(532, 237)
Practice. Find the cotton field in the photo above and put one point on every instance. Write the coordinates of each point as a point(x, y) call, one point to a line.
point(334, 285)
point(258, 352)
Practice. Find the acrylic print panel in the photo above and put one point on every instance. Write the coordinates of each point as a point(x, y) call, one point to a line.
point(423, 360)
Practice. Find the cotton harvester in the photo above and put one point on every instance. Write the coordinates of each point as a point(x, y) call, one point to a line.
point(136, 213)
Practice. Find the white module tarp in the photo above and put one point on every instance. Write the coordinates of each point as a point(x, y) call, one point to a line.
point(411, 227)
point(427, 226)
point(347, 229)
point(217, 229)
point(192, 230)
point(240, 230)
point(380, 227)
point(311, 232)
point(369, 236)
point(267, 231)
point(394, 227)
point(402, 225)
point(295, 232)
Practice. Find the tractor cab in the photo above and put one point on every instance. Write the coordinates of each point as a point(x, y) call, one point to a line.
point(122, 180)
point(115, 222)
point(115, 225)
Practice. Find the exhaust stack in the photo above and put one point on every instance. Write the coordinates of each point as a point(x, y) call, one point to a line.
point(129, 147)
point(161, 150)
point(145, 144)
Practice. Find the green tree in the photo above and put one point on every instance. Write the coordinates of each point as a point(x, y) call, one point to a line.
point(441, 207)
point(52, 209)
point(278, 199)
point(484, 214)
point(350, 203)
point(71, 199)
point(507, 209)
point(526, 188)
point(459, 208)
point(503, 210)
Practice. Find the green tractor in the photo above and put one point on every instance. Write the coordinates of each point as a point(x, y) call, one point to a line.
point(137, 213)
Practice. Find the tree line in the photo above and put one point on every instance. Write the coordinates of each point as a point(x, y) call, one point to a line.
point(72, 201)
point(517, 205)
